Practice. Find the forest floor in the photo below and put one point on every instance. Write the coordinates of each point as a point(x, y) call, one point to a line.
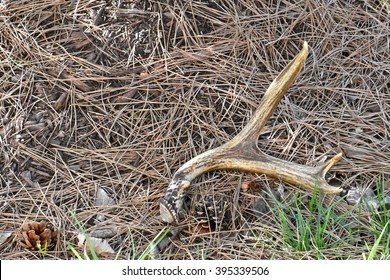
point(102, 101)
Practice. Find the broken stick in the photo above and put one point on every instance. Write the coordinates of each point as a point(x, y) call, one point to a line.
point(242, 153)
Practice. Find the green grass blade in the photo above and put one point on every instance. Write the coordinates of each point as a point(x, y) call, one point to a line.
point(374, 249)
point(160, 236)
point(74, 251)
point(88, 240)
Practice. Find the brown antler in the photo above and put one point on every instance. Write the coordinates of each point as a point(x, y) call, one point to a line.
point(241, 153)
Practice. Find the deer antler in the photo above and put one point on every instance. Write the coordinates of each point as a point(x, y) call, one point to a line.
point(242, 153)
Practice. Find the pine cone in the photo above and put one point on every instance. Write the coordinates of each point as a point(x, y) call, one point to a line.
point(35, 236)
point(250, 186)
point(212, 214)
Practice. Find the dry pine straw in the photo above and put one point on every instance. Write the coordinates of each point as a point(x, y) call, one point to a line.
point(96, 95)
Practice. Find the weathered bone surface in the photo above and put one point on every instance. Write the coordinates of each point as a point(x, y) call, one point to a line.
point(242, 153)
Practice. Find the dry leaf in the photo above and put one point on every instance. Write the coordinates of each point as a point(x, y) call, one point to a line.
point(81, 239)
point(102, 198)
point(100, 246)
point(104, 232)
point(4, 236)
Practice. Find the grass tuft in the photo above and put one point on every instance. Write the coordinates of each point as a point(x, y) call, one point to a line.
point(308, 225)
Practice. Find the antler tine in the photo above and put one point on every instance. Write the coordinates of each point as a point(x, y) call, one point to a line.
point(271, 98)
point(241, 153)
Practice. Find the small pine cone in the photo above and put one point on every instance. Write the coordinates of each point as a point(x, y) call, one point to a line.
point(252, 186)
point(211, 214)
point(35, 236)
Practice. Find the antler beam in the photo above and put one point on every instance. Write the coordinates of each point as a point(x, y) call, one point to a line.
point(242, 153)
